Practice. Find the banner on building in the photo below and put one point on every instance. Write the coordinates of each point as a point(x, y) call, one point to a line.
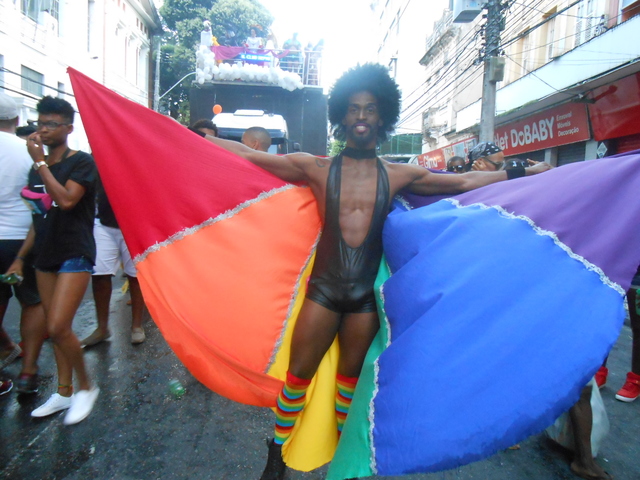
point(557, 126)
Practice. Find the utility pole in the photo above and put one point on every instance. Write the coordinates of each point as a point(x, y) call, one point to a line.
point(493, 68)
point(466, 11)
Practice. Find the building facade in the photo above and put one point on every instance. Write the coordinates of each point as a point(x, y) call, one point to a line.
point(401, 33)
point(108, 40)
point(571, 86)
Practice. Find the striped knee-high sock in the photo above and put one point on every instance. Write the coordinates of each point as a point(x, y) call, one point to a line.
point(290, 403)
point(344, 395)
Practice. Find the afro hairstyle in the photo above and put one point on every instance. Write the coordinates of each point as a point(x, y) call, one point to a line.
point(370, 77)
point(56, 106)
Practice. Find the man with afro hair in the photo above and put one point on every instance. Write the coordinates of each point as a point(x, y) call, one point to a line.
point(354, 191)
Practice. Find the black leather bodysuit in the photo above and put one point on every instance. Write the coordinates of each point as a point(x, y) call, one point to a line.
point(342, 277)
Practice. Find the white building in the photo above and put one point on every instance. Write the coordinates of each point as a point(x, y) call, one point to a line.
point(571, 86)
point(108, 40)
point(403, 27)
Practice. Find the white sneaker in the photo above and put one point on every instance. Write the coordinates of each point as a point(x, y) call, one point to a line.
point(81, 405)
point(55, 403)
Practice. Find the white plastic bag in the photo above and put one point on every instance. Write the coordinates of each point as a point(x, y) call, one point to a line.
point(562, 430)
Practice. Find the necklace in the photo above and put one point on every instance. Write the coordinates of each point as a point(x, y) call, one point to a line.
point(359, 154)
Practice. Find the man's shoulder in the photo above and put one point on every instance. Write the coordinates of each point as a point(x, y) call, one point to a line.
point(14, 149)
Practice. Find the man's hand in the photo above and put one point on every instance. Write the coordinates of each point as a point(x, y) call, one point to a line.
point(536, 167)
point(480, 166)
point(35, 148)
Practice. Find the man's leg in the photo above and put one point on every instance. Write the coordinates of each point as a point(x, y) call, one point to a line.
point(631, 389)
point(357, 331)
point(33, 330)
point(582, 420)
point(5, 339)
point(635, 328)
point(313, 334)
point(101, 287)
point(137, 302)
point(9, 350)
point(107, 263)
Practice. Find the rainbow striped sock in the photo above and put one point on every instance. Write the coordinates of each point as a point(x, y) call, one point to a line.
point(344, 395)
point(290, 403)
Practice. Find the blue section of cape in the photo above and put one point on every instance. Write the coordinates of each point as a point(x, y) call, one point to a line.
point(476, 365)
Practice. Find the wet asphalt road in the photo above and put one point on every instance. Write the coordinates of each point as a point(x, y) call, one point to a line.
point(138, 430)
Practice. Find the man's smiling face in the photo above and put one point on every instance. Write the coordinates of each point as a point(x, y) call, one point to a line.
point(362, 120)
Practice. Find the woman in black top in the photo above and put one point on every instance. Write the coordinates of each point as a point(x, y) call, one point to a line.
point(64, 250)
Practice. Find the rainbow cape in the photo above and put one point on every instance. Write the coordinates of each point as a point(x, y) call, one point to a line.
point(496, 307)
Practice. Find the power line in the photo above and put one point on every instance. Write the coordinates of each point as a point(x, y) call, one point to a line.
point(451, 64)
point(433, 92)
point(3, 69)
point(19, 93)
point(419, 109)
point(461, 49)
point(538, 25)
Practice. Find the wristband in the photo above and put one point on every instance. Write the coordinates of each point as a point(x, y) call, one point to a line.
point(18, 257)
point(39, 164)
point(516, 172)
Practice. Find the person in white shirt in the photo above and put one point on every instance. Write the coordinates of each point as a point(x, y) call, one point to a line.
point(253, 42)
point(15, 220)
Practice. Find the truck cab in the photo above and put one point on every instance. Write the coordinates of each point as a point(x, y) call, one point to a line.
point(231, 126)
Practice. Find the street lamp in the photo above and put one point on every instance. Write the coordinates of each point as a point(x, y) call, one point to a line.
point(157, 100)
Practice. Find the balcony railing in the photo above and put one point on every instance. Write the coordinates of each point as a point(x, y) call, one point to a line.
point(439, 28)
point(307, 64)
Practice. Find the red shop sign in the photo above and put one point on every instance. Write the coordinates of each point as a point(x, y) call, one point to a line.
point(557, 126)
point(437, 159)
point(434, 159)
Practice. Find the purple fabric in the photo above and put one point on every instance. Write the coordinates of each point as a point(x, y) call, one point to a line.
point(593, 207)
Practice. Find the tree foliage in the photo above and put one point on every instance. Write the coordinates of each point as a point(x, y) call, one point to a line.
point(183, 22)
point(240, 16)
point(336, 147)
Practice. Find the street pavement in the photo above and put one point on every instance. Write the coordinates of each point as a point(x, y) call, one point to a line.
point(139, 430)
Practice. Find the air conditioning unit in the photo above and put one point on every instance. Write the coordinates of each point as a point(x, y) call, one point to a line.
point(465, 11)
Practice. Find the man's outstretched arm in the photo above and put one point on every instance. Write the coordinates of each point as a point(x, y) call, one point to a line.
point(289, 168)
point(428, 183)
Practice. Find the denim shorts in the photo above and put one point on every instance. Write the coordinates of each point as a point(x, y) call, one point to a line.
point(73, 265)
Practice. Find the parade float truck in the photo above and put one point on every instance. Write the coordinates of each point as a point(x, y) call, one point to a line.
point(291, 105)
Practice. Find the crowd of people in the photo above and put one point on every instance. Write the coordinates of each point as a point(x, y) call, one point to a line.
point(291, 57)
point(51, 248)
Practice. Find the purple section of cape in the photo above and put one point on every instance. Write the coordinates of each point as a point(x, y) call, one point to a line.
point(593, 207)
